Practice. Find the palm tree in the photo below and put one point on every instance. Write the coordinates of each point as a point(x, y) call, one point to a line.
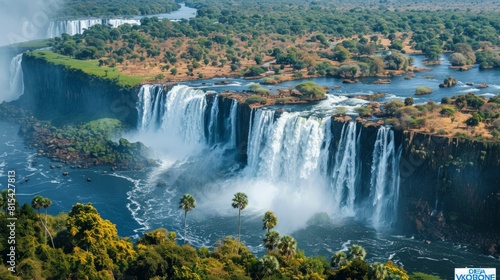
point(46, 203)
point(287, 246)
point(339, 259)
point(240, 201)
point(187, 203)
point(268, 265)
point(378, 271)
point(269, 221)
point(356, 252)
point(37, 203)
point(271, 240)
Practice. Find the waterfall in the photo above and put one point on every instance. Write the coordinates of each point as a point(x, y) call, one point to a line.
point(151, 105)
point(346, 170)
point(285, 149)
point(295, 152)
point(231, 123)
point(16, 82)
point(71, 27)
point(213, 126)
point(78, 26)
point(180, 112)
point(115, 22)
point(384, 184)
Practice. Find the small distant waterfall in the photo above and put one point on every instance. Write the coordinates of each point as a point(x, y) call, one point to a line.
point(78, 26)
point(345, 172)
point(213, 127)
point(115, 22)
point(384, 185)
point(16, 82)
point(231, 123)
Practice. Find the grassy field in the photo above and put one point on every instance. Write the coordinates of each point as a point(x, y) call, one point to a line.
point(90, 67)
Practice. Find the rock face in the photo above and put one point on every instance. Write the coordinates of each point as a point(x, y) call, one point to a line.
point(57, 93)
point(450, 188)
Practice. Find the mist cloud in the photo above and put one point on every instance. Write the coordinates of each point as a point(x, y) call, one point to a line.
point(25, 20)
point(20, 21)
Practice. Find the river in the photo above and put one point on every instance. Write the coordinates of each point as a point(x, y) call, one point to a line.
point(140, 201)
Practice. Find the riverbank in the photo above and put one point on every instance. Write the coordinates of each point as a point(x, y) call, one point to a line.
point(84, 145)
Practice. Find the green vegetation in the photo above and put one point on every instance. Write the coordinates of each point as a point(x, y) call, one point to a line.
point(86, 246)
point(97, 8)
point(448, 82)
point(254, 99)
point(454, 116)
point(240, 202)
point(90, 67)
point(187, 203)
point(422, 90)
point(87, 143)
point(30, 45)
point(311, 90)
point(316, 39)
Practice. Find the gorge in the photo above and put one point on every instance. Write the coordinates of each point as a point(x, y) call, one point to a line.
point(294, 159)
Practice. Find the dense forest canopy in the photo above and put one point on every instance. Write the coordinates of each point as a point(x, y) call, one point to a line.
point(313, 38)
point(82, 245)
point(459, 5)
point(106, 8)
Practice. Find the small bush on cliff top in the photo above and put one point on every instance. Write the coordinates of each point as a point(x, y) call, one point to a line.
point(252, 99)
point(311, 89)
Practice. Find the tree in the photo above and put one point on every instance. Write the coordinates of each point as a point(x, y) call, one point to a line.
point(258, 59)
point(409, 101)
point(339, 259)
point(458, 59)
point(341, 54)
point(240, 201)
point(287, 246)
point(268, 265)
point(269, 221)
point(187, 203)
point(271, 240)
point(356, 252)
point(37, 203)
point(474, 120)
point(432, 52)
point(91, 234)
point(46, 203)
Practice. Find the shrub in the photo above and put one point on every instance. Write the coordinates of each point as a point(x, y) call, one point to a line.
point(392, 106)
point(422, 90)
point(284, 100)
point(297, 75)
point(311, 89)
point(447, 112)
point(340, 111)
point(446, 100)
point(409, 101)
point(363, 111)
point(252, 99)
